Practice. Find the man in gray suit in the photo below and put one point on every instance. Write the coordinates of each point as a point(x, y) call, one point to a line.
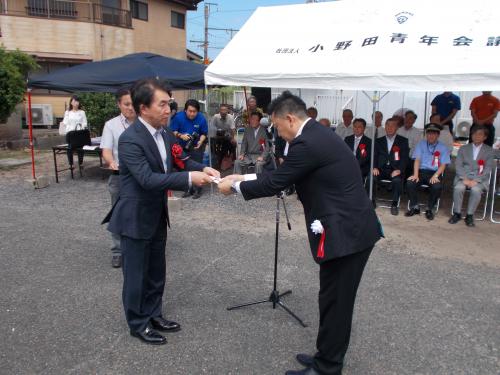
point(254, 147)
point(473, 167)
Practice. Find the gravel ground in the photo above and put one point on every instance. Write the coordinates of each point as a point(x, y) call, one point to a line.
point(417, 312)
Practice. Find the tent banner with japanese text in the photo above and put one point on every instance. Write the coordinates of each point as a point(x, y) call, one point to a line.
point(397, 45)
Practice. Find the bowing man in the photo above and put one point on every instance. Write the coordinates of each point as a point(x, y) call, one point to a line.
point(341, 223)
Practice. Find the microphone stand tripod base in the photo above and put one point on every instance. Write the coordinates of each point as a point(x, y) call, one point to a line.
point(275, 299)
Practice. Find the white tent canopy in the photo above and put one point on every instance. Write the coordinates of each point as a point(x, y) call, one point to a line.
point(402, 45)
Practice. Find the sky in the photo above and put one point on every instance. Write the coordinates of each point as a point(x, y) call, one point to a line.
point(227, 14)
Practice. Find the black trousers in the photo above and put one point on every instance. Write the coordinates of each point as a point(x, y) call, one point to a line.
point(338, 284)
point(70, 155)
point(143, 277)
point(491, 134)
point(396, 183)
point(424, 177)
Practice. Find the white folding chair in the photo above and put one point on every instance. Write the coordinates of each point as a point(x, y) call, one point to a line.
point(495, 194)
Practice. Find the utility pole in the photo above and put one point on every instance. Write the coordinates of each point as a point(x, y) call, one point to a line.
point(205, 43)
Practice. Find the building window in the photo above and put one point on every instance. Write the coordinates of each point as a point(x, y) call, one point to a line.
point(178, 20)
point(139, 10)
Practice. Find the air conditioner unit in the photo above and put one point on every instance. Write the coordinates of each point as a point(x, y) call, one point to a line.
point(41, 115)
point(462, 128)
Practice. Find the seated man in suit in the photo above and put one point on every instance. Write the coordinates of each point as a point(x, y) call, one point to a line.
point(473, 167)
point(360, 146)
point(391, 156)
point(254, 147)
point(431, 158)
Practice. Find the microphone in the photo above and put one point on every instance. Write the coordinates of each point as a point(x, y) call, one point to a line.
point(268, 125)
point(265, 123)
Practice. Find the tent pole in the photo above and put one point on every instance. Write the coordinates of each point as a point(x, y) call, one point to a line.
point(207, 106)
point(425, 107)
point(246, 105)
point(374, 99)
point(30, 126)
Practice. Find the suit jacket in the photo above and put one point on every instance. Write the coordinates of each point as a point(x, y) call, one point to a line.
point(142, 201)
point(467, 167)
point(363, 157)
point(251, 145)
point(329, 185)
point(386, 159)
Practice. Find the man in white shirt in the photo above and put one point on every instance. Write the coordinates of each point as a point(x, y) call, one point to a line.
point(222, 131)
point(379, 127)
point(344, 128)
point(109, 145)
point(413, 135)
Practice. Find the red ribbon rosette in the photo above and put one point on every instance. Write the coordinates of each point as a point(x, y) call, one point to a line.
point(262, 143)
point(362, 148)
point(480, 163)
point(396, 150)
point(317, 228)
point(177, 156)
point(435, 160)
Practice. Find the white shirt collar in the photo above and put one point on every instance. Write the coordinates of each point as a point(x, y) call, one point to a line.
point(302, 127)
point(477, 147)
point(358, 138)
point(151, 129)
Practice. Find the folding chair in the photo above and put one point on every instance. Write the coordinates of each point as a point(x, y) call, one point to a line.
point(483, 193)
point(386, 203)
point(495, 194)
point(425, 187)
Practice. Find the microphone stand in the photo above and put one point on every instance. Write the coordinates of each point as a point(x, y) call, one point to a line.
point(276, 296)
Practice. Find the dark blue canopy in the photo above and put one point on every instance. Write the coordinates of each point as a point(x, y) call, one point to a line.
point(110, 75)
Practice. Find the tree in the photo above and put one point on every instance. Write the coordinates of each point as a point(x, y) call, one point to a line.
point(99, 108)
point(14, 69)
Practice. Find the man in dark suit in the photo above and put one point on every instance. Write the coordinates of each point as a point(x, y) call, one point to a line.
point(360, 145)
point(328, 183)
point(147, 154)
point(391, 157)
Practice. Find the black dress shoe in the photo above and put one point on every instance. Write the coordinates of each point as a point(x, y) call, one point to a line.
point(165, 325)
point(150, 336)
point(394, 210)
point(116, 261)
point(429, 215)
point(305, 359)
point(412, 211)
point(455, 218)
point(196, 195)
point(306, 371)
point(469, 221)
point(186, 194)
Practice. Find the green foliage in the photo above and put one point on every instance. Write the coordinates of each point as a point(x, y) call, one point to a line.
point(14, 69)
point(99, 108)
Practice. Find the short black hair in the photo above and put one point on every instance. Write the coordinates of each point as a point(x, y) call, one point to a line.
point(256, 113)
point(288, 103)
point(121, 93)
point(483, 128)
point(410, 112)
point(312, 109)
point(75, 97)
point(373, 114)
point(395, 119)
point(361, 120)
point(348, 110)
point(224, 105)
point(192, 103)
point(143, 92)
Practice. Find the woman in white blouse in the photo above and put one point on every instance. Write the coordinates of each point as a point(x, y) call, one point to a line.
point(74, 119)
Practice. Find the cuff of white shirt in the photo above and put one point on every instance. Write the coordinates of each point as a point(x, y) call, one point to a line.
point(247, 177)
